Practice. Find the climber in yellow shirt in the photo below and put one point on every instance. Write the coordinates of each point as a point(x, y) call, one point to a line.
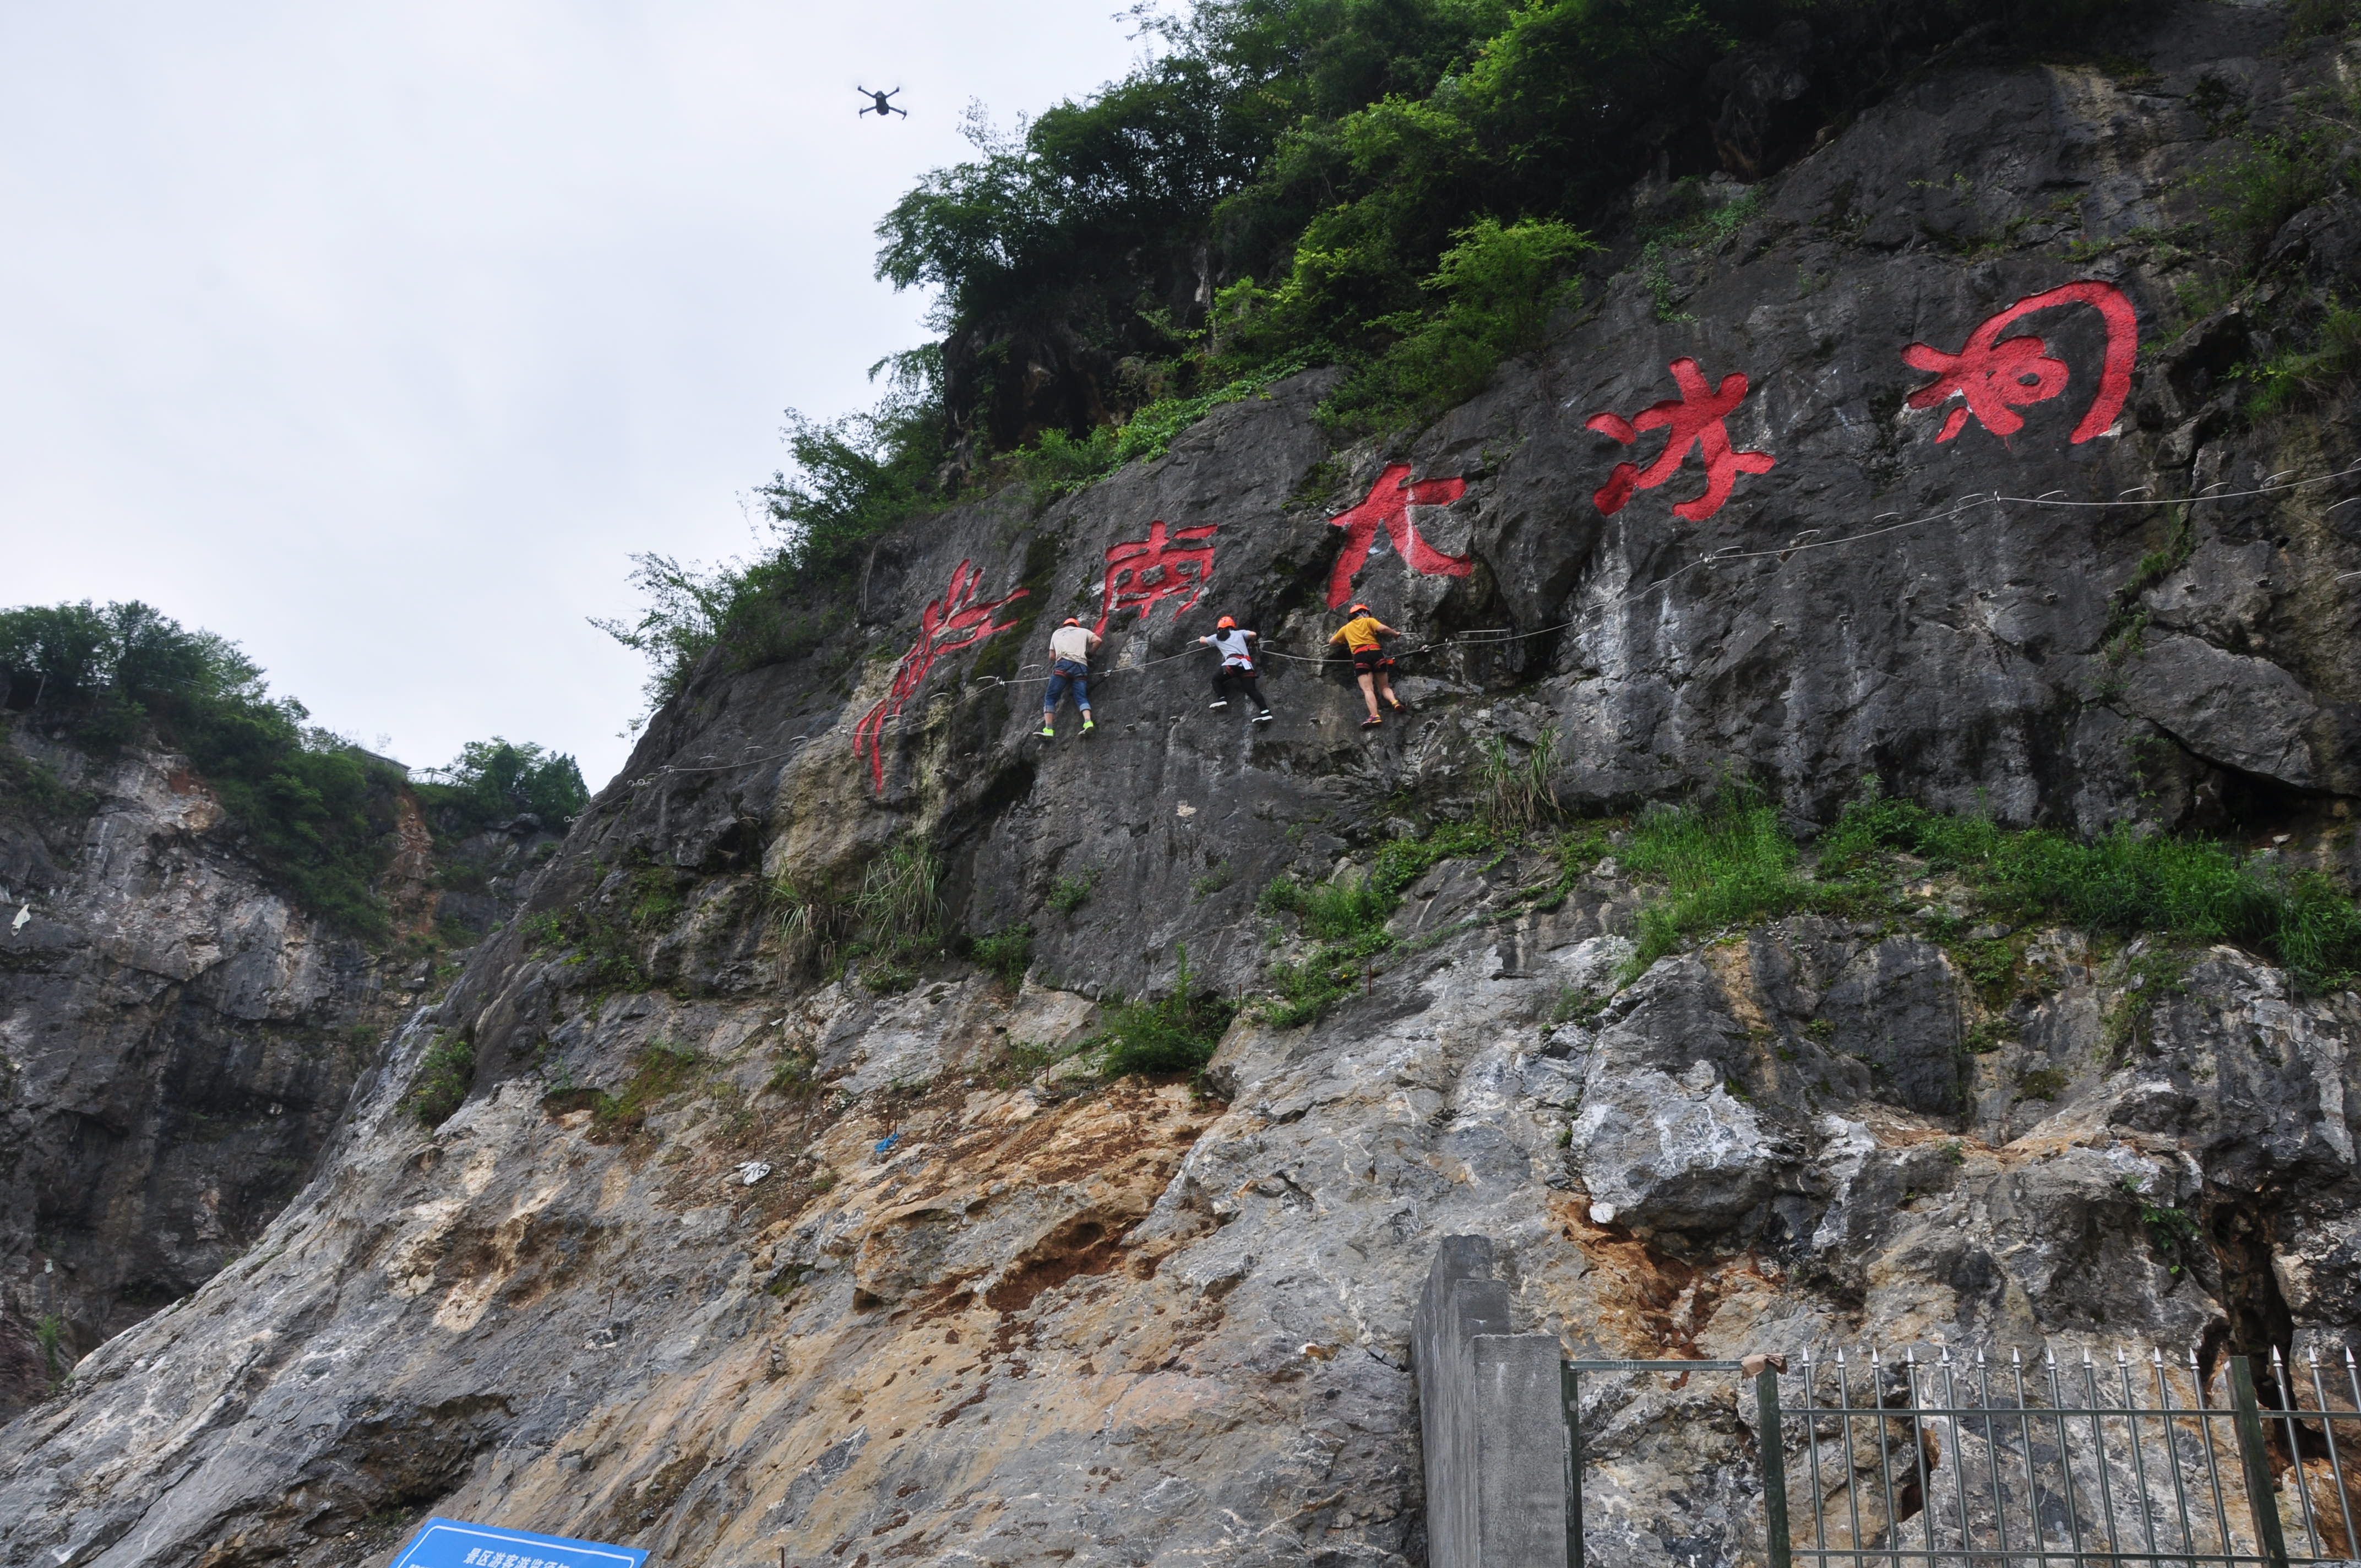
point(1359, 636)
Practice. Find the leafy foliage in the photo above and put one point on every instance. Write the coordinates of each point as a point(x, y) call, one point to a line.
point(2274, 175)
point(36, 787)
point(1359, 157)
point(1518, 793)
point(1007, 954)
point(1069, 893)
point(599, 948)
point(1058, 465)
point(1401, 188)
point(2295, 376)
point(1496, 287)
point(1348, 913)
point(853, 477)
point(316, 810)
point(1727, 861)
point(877, 932)
point(2320, 19)
point(49, 1336)
point(445, 1074)
point(1177, 1034)
point(491, 782)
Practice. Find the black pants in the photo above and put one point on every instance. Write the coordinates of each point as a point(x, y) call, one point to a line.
point(1229, 678)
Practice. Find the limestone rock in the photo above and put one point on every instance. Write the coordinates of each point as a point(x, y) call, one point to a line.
point(978, 1312)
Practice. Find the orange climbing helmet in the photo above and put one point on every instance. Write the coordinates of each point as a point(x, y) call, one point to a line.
point(1071, 621)
point(1358, 609)
point(1224, 624)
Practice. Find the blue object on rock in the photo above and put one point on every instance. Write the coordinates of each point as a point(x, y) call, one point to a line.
point(453, 1543)
point(887, 1142)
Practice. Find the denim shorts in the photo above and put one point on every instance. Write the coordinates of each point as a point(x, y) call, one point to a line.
point(1065, 672)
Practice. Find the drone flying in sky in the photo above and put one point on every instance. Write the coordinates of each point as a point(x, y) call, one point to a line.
point(878, 105)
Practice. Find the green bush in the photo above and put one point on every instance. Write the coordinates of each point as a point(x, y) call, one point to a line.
point(661, 1071)
point(1336, 910)
point(1177, 1034)
point(1213, 881)
point(1007, 953)
point(492, 782)
point(853, 478)
point(1410, 181)
point(37, 787)
point(1517, 790)
point(1498, 286)
point(2273, 176)
point(2320, 19)
point(1069, 893)
point(900, 898)
point(2294, 377)
point(1350, 914)
point(445, 1075)
point(1057, 464)
point(896, 917)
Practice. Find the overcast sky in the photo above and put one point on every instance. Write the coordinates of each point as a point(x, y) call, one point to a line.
point(377, 338)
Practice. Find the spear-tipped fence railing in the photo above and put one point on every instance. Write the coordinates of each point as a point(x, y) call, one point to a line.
point(1965, 1462)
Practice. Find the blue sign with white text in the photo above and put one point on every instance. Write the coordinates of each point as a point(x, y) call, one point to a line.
point(449, 1543)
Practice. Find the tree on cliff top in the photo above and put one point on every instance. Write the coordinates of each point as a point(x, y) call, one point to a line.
point(316, 810)
point(1404, 188)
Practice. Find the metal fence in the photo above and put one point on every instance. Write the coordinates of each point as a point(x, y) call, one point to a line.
point(1966, 1463)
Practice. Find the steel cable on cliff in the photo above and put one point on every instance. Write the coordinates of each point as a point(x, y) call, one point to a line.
point(1800, 543)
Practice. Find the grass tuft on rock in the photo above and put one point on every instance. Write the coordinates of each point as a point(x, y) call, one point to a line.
point(1348, 915)
point(1725, 861)
point(2124, 882)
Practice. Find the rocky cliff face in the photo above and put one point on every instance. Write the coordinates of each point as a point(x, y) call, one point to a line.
point(178, 1040)
point(725, 1256)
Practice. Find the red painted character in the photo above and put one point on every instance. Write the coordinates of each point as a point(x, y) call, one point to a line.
point(1995, 377)
point(952, 622)
point(1387, 506)
point(1694, 418)
point(1142, 571)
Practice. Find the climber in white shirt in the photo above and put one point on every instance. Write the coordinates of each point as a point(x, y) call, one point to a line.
point(1237, 671)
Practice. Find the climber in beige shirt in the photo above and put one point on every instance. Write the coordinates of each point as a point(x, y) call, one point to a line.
point(1070, 647)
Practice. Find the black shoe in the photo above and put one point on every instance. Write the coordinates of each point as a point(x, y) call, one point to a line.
point(1263, 717)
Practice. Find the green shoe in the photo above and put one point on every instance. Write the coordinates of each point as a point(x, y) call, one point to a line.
point(1087, 725)
point(1048, 733)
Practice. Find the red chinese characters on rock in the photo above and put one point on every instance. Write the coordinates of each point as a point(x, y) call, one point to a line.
point(1994, 377)
point(1386, 506)
point(1694, 418)
point(1142, 571)
point(954, 622)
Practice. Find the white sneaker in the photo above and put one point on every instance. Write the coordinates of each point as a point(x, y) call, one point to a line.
point(1263, 717)
point(1224, 702)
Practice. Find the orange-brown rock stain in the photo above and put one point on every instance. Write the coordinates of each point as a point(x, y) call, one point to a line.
point(943, 1367)
point(407, 884)
point(1649, 1305)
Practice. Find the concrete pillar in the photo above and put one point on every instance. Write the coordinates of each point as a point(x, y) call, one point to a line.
point(1490, 1420)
